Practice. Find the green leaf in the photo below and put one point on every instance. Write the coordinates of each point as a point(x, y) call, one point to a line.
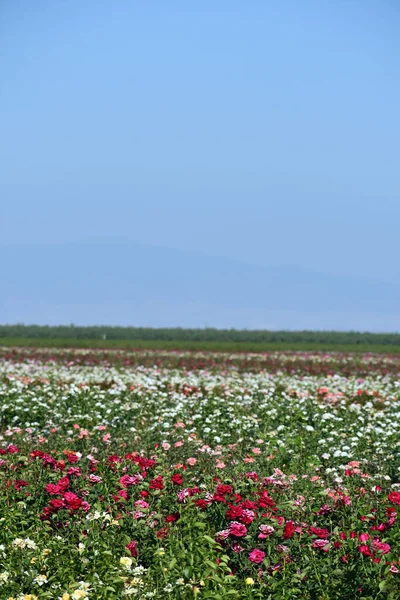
point(209, 539)
point(224, 558)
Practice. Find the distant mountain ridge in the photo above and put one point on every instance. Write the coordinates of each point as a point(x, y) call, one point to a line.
point(122, 282)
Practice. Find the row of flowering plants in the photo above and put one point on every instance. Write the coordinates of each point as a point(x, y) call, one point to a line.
point(301, 363)
point(149, 481)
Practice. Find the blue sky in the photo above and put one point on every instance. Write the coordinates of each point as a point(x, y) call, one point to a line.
point(262, 131)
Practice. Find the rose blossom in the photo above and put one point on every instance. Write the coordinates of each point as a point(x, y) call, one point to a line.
point(289, 530)
point(394, 497)
point(380, 546)
point(265, 530)
point(256, 556)
point(237, 529)
point(132, 548)
point(321, 545)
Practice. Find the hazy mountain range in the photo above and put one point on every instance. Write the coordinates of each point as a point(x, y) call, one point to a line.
point(128, 283)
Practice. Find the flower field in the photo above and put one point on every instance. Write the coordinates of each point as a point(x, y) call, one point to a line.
point(199, 475)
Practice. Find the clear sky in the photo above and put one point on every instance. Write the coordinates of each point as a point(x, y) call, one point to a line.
point(266, 131)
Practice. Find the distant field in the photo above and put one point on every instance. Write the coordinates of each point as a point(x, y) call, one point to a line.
point(223, 346)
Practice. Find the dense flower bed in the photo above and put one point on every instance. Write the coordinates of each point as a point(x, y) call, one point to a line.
point(301, 363)
point(185, 475)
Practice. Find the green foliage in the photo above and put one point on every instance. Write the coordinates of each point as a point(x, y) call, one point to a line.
point(229, 340)
point(178, 334)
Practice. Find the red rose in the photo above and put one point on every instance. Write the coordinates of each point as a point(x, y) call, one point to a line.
point(177, 479)
point(56, 503)
point(345, 558)
point(234, 512)
point(53, 489)
point(288, 530)
point(172, 518)
point(46, 514)
point(63, 483)
point(20, 483)
point(162, 533)
point(319, 532)
point(132, 548)
point(394, 497)
point(249, 504)
point(223, 490)
point(265, 500)
point(365, 551)
point(157, 483)
point(72, 500)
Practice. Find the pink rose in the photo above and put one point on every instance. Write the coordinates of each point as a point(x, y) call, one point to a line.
point(256, 556)
point(321, 545)
point(381, 546)
point(237, 529)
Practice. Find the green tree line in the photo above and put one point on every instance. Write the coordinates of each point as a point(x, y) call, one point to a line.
point(178, 334)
